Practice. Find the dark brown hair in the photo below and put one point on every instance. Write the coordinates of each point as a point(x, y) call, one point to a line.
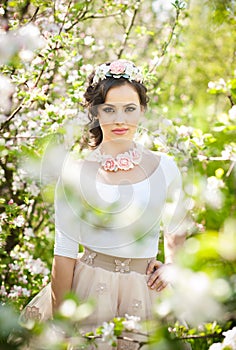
point(96, 95)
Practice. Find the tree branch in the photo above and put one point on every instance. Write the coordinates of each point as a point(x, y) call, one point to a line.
point(65, 17)
point(34, 15)
point(3, 125)
point(197, 336)
point(128, 30)
point(5, 16)
point(167, 43)
point(82, 18)
point(231, 100)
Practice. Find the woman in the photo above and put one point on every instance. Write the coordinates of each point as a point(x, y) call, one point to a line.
point(112, 203)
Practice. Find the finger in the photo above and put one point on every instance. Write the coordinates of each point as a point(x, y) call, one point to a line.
point(156, 279)
point(161, 287)
point(154, 276)
point(158, 285)
point(153, 265)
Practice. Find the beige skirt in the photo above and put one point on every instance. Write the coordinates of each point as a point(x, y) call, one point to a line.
point(117, 285)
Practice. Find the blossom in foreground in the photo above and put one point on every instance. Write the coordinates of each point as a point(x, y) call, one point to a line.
point(108, 333)
point(132, 323)
point(197, 291)
point(229, 342)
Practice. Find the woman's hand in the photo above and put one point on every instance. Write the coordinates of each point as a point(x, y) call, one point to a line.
point(156, 281)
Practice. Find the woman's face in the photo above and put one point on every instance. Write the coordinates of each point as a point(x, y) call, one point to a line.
point(120, 114)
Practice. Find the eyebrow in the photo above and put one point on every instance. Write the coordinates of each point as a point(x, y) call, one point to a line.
point(128, 104)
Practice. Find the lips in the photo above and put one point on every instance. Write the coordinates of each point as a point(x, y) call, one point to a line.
point(120, 131)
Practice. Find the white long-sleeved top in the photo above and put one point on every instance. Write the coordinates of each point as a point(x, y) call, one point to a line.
point(121, 220)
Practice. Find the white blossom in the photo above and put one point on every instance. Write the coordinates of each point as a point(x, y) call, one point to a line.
point(229, 341)
point(3, 290)
point(132, 323)
point(16, 291)
point(196, 289)
point(29, 37)
point(230, 338)
point(28, 232)
point(26, 292)
point(68, 308)
point(14, 267)
point(19, 221)
point(36, 266)
point(33, 189)
point(108, 332)
point(183, 130)
point(213, 195)
point(217, 85)
point(26, 55)
point(7, 47)
point(6, 91)
point(88, 40)
point(232, 113)
point(216, 346)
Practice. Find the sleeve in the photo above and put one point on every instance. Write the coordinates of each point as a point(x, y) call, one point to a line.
point(174, 217)
point(64, 245)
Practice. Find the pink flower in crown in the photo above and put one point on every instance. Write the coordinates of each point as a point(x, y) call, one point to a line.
point(117, 67)
point(136, 156)
point(124, 162)
point(109, 164)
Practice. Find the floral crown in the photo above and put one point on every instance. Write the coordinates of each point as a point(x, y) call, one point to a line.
point(117, 69)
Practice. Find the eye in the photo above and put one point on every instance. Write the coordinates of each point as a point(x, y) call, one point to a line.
point(130, 109)
point(108, 110)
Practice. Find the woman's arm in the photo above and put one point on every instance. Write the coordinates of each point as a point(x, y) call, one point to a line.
point(172, 243)
point(61, 279)
point(175, 226)
point(155, 268)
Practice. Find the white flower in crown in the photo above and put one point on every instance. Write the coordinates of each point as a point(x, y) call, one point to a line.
point(100, 73)
point(133, 72)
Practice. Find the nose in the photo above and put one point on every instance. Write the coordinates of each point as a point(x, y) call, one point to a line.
point(120, 116)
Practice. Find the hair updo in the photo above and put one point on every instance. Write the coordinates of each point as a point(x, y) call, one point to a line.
point(95, 95)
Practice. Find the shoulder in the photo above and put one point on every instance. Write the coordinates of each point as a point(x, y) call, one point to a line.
point(168, 165)
point(166, 159)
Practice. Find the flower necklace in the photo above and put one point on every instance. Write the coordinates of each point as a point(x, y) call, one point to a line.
point(123, 161)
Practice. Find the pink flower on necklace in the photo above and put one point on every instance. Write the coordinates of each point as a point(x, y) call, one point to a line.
point(117, 67)
point(109, 164)
point(136, 156)
point(124, 162)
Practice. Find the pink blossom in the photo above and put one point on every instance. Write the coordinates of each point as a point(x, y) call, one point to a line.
point(117, 67)
point(124, 162)
point(3, 291)
point(136, 156)
point(14, 267)
point(15, 292)
point(109, 164)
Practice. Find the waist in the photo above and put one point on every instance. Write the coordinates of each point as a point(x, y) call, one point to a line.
point(114, 263)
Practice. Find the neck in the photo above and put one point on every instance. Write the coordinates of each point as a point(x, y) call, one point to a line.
point(115, 147)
